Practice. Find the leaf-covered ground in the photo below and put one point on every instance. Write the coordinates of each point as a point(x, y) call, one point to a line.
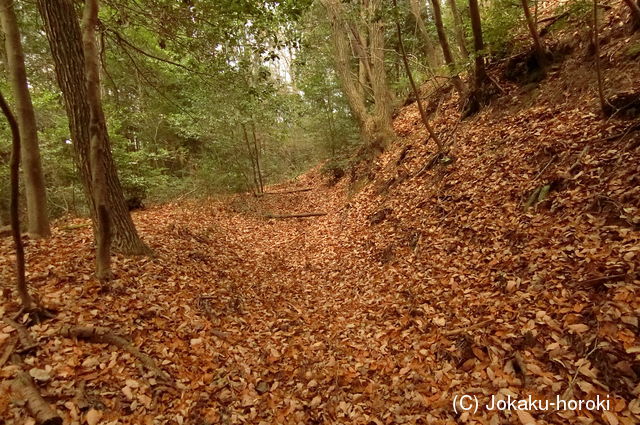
point(420, 283)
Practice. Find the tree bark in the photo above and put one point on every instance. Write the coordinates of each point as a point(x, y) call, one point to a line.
point(37, 217)
point(458, 27)
point(65, 41)
point(28, 303)
point(444, 44)
point(537, 43)
point(98, 136)
point(478, 44)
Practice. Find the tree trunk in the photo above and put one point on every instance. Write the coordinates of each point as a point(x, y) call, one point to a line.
point(98, 140)
point(416, 92)
point(635, 11)
point(375, 124)
point(256, 147)
point(478, 45)
point(65, 41)
point(252, 158)
point(427, 43)
point(383, 103)
point(37, 217)
point(444, 44)
point(28, 303)
point(596, 43)
point(537, 43)
point(458, 26)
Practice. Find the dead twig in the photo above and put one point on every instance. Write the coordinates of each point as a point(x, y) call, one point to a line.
point(102, 335)
point(595, 282)
point(286, 192)
point(458, 331)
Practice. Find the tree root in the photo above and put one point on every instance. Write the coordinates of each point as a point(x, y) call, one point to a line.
point(39, 408)
point(27, 343)
point(301, 215)
point(11, 346)
point(102, 335)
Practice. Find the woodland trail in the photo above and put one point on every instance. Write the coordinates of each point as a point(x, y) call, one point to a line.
point(364, 315)
point(265, 320)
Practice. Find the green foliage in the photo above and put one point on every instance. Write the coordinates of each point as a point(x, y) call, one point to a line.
point(501, 20)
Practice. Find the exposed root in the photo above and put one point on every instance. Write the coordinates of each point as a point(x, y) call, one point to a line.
point(39, 408)
point(102, 335)
point(27, 342)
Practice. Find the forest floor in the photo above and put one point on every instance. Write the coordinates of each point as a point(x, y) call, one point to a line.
point(509, 271)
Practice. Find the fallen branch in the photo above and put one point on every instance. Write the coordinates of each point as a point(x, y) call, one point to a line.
point(286, 192)
point(467, 328)
point(27, 342)
point(102, 335)
point(595, 282)
point(39, 408)
point(301, 215)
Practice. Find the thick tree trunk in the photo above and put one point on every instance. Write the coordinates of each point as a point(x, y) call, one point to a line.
point(444, 44)
point(427, 43)
point(383, 102)
point(537, 43)
point(458, 26)
point(374, 123)
point(478, 44)
point(65, 40)
point(37, 217)
point(28, 303)
point(98, 141)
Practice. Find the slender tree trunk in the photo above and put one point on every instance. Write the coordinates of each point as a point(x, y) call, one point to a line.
point(65, 40)
point(37, 217)
point(416, 92)
point(444, 44)
point(98, 136)
point(256, 147)
point(28, 303)
point(458, 26)
point(478, 44)
point(252, 158)
point(596, 43)
point(427, 43)
point(533, 30)
point(635, 11)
